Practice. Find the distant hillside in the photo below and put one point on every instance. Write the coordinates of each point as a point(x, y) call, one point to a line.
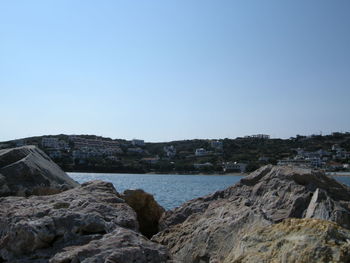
point(99, 154)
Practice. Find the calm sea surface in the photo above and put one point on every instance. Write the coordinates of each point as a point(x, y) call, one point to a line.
point(170, 190)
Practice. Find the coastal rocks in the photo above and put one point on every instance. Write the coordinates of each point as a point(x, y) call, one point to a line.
point(71, 224)
point(120, 246)
point(28, 171)
point(207, 229)
point(294, 240)
point(147, 209)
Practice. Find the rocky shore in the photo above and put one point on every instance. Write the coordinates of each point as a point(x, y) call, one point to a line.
point(276, 214)
point(212, 228)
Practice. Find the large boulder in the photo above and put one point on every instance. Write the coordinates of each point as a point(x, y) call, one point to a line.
point(89, 223)
point(147, 209)
point(206, 229)
point(294, 241)
point(120, 246)
point(28, 171)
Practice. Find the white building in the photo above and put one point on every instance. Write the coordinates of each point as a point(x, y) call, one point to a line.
point(259, 136)
point(111, 151)
point(170, 151)
point(200, 152)
point(233, 167)
point(342, 154)
point(50, 142)
point(137, 142)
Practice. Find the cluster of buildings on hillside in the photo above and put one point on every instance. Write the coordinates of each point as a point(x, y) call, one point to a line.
point(330, 160)
point(258, 136)
point(227, 167)
point(80, 148)
point(92, 148)
point(216, 146)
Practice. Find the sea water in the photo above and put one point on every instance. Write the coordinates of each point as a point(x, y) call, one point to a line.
point(170, 190)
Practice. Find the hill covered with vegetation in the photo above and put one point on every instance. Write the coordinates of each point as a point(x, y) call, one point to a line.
point(92, 153)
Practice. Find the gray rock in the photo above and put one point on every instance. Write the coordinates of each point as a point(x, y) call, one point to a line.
point(120, 246)
point(28, 171)
point(208, 228)
point(34, 229)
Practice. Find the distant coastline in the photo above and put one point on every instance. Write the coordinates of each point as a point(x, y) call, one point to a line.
point(338, 173)
point(174, 173)
point(242, 155)
point(345, 174)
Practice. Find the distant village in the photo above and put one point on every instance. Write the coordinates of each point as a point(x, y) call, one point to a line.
point(330, 160)
point(85, 153)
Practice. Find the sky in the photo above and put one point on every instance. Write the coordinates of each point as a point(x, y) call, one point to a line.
point(173, 70)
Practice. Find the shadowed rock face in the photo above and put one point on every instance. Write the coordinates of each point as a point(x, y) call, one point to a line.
point(89, 223)
point(147, 209)
point(208, 228)
point(28, 171)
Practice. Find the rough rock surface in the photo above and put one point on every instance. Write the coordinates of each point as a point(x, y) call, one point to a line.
point(147, 209)
point(294, 241)
point(206, 229)
point(90, 223)
point(28, 171)
point(120, 246)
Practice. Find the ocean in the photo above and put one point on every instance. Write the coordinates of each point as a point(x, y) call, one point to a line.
point(170, 190)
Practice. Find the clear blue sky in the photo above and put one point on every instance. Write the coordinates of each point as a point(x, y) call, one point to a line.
point(168, 70)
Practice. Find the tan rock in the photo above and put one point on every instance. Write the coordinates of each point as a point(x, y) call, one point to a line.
point(147, 209)
point(294, 241)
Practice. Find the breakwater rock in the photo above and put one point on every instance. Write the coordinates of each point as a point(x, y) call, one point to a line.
point(211, 228)
point(89, 223)
point(294, 240)
point(28, 171)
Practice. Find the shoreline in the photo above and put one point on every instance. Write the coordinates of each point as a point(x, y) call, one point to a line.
point(210, 174)
point(345, 174)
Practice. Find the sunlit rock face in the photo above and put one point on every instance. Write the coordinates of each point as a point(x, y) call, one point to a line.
point(294, 240)
point(90, 222)
point(209, 228)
